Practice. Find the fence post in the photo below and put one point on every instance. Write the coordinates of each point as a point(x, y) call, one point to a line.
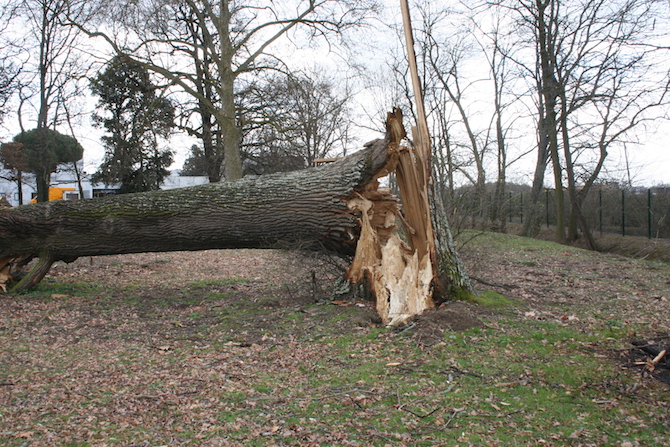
point(649, 213)
point(600, 209)
point(521, 205)
point(546, 200)
point(623, 212)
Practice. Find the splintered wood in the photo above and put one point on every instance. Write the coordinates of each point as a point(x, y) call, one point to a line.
point(401, 275)
point(5, 276)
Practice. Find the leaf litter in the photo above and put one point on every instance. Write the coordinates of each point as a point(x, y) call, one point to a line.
point(243, 347)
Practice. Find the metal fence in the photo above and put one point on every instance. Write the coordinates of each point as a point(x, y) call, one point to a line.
point(630, 212)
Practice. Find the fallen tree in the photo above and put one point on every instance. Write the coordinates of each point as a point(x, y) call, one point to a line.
point(338, 207)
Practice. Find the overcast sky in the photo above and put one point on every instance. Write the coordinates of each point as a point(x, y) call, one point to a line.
point(647, 163)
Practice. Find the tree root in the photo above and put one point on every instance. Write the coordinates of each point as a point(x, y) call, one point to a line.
point(12, 269)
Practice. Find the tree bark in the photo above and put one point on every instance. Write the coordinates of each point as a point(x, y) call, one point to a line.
point(531, 222)
point(338, 207)
point(550, 90)
point(308, 206)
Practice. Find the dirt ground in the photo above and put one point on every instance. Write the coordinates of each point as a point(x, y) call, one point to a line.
point(559, 283)
point(270, 302)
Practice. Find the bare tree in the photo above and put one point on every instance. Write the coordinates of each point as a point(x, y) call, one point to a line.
point(302, 113)
point(496, 63)
point(448, 76)
point(54, 72)
point(10, 68)
point(595, 83)
point(9, 73)
point(454, 100)
point(444, 163)
point(545, 15)
point(496, 44)
point(207, 48)
point(611, 79)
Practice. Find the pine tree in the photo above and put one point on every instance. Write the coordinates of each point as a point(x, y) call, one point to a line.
point(137, 120)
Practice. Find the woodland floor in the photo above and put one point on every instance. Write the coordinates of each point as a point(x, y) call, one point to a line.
point(244, 347)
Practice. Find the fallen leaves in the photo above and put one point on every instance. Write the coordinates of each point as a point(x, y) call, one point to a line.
point(24, 435)
point(137, 363)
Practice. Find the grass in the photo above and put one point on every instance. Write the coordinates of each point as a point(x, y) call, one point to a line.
point(50, 287)
point(489, 298)
point(525, 386)
point(201, 363)
point(516, 386)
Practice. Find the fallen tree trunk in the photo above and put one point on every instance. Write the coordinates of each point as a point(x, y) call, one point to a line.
point(337, 207)
point(308, 206)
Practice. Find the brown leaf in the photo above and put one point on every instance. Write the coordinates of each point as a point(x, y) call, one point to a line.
point(341, 303)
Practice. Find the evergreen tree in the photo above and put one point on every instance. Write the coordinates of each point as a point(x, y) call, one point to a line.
point(45, 150)
point(137, 119)
point(196, 163)
point(15, 162)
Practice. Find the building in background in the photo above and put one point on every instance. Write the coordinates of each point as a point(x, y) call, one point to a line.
point(66, 186)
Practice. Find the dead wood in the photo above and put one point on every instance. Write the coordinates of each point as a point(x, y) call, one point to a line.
point(339, 207)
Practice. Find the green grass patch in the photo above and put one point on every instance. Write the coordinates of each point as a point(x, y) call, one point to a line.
point(511, 243)
point(489, 298)
point(62, 290)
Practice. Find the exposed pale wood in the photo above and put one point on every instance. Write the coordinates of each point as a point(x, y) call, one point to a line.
point(5, 276)
point(659, 357)
point(398, 276)
point(414, 172)
point(421, 136)
point(401, 275)
point(450, 276)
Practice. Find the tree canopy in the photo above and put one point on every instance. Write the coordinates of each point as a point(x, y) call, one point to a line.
point(15, 162)
point(136, 121)
point(211, 49)
point(294, 120)
point(45, 149)
point(195, 163)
